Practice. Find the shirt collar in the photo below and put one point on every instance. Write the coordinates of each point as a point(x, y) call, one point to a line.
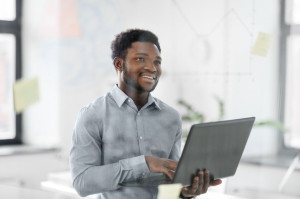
point(152, 100)
point(120, 97)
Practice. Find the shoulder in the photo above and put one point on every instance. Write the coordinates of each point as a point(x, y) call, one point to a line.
point(167, 109)
point(94, 109)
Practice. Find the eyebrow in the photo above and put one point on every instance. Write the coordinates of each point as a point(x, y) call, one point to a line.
point(145, 54)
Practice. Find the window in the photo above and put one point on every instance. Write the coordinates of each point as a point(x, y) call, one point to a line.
point(290, 71)
point(10, 69)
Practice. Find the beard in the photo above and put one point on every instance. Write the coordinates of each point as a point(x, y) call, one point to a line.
point(133, 83)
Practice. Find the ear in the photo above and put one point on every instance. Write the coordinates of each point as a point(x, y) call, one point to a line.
point(118, 63)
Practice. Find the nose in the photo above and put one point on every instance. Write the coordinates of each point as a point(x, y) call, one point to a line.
point(151, 67)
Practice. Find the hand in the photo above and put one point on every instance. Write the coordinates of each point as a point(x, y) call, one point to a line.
point(201, 182)
point(161, 165)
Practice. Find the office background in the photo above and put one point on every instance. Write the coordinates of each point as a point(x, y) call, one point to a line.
point(67, 45)
point(207, 53)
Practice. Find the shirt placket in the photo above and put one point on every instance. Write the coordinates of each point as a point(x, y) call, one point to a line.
point(140, 132)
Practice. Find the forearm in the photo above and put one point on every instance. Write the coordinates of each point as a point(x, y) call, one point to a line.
point(97, 179)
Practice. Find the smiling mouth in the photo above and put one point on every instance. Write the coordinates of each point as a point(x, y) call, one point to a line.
point(149, 77)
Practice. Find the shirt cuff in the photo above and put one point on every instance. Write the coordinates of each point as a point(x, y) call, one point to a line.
point(137, 164)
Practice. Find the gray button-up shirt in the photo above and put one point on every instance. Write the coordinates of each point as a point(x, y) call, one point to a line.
point(111, 139)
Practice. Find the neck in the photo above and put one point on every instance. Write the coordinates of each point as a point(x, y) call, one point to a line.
point(140, 98)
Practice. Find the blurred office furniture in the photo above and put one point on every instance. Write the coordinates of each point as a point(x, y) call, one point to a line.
point(259, 178)
point(27, 166)
point(289, 172)
point(12, 192)
point(60, 182)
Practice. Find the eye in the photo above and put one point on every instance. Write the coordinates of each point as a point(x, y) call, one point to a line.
point(157, 62)
point(140, 59)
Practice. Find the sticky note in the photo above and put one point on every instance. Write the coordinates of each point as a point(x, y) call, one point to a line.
point(169, 191)
point(26, 92)
point(262, 44)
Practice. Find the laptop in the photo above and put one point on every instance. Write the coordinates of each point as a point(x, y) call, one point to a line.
point(216, 146)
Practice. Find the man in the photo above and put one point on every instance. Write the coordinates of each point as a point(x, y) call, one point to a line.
point(126, 134)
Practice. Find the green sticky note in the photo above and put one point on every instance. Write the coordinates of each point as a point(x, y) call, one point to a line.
point(169, 191)
point(262, 44)
point(26, 92)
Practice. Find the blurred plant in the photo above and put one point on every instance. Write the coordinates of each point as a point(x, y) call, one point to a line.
point(192, 115)
point(275, 124)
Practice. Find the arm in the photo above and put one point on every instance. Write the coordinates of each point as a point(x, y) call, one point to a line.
point(89, 175)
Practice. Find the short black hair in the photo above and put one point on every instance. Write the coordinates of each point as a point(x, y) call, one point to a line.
point(124, 40)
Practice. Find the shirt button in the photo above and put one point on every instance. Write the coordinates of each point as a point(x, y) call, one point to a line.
point(141, 137)
point(139, 113)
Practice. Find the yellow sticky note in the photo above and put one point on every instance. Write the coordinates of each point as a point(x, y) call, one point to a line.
point(169, 191)
point(262, 44)
point(26, 92)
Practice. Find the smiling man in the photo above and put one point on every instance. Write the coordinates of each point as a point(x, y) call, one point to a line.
point(139, 71)
point(128, 134)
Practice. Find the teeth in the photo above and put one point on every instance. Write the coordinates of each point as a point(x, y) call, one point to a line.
point(149, 77)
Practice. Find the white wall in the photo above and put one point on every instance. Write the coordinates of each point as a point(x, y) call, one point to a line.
point(206, 50)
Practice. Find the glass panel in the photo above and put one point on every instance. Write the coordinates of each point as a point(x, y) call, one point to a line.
point(8, 10)
point(7, 78)
point(287, 12)
point(292, 12)
point(296, 12)
point(292, 102)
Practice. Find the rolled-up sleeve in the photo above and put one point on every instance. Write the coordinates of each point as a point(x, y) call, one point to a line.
point(89, 175)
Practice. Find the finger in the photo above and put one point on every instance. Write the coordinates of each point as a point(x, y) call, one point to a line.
point(185, 192)
point(195, 186)
point(168, 172)
point(172, 164)
point(206, 181)
point(200, 183)
point(191, 190)
point(171, 172)
point(216, 182)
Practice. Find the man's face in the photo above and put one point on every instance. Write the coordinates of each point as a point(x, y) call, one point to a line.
point(141, 67)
